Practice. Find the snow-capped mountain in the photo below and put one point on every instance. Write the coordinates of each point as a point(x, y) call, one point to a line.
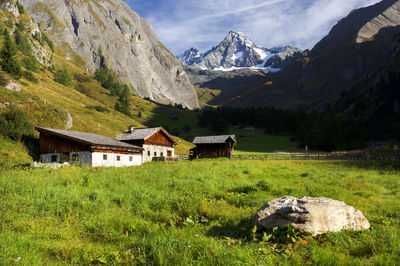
point(239, 51)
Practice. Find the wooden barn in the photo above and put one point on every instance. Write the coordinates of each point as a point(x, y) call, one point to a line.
point(213, 146)
point(73, 147)
point(156, 142)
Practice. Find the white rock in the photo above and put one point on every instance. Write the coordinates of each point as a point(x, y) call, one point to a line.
point(13, 86)
point(310, 215)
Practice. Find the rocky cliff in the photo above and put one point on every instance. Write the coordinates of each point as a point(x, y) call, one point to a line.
point(108, 33)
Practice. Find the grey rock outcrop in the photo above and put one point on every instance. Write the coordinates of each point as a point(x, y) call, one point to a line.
point(13, 86)
point(310, 215)
point(389, 18)
point(238, 51)
point(98, 33)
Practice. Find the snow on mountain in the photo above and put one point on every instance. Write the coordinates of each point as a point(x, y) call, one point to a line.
point(238, 51)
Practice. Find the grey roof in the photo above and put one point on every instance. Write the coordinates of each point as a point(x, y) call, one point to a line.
point(88, 138)
point(140, 134)
point(213, 139)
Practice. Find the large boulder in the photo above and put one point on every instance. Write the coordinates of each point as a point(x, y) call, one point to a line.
point(310, 215)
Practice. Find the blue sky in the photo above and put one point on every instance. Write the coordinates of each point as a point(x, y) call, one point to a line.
point(182, 24)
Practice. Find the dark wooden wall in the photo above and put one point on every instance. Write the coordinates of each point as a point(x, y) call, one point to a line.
point(212, 151)
point(159, 139)
point(54, 144)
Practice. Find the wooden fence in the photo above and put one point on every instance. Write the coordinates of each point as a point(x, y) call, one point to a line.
point(319, 156)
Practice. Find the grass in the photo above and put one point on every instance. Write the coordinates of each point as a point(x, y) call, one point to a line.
point(190, 213)
point(257, 142)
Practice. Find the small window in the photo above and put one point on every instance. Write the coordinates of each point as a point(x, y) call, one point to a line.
point(54, 158)
point(169, 153)
point(148, 153)
point(162, 154)
point(75, 157)
point(105, 157)
point(130, 158)
point(155, 154)
point(118, 158)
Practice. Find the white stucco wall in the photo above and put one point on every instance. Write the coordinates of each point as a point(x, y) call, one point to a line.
point(98, 161)
point(158, 150)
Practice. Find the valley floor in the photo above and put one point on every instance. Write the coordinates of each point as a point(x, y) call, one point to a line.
point(195, 212)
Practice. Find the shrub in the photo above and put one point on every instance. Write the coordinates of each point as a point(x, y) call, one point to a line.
point(29, 76)
point(48, 41)
point(23, 43)
point(21, 9)
point(31, 63)
point(14, 123)
point(63, 77)
point(3, 79)
point(8, 57)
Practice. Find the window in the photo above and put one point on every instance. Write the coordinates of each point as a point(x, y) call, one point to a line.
point(130, 158)
point(169, 153)
point(118, 158)
point(162, 154)
point(148, 153)
point(75, 157)
point(155, 154)
point(54, 158)
point(105, 157)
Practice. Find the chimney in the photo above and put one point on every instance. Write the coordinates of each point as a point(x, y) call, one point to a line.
point(131, 129)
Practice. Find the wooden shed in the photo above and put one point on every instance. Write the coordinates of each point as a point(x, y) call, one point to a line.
point(213, 146)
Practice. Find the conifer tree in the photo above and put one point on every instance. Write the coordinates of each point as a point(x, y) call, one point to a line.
point(8, 57)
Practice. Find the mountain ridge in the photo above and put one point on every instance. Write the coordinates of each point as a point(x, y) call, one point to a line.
point(111, 34)
point(237, 50)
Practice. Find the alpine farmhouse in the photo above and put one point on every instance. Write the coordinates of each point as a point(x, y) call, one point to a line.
point(156, 142)
point(73, 147)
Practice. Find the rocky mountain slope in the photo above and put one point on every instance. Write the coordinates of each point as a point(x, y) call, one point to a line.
point(238, 51)
point(109, 34)
point(358, 46)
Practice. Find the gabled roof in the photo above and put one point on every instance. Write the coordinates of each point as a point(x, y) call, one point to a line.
point(214, 139)
point(88, 138)
point(142, 134)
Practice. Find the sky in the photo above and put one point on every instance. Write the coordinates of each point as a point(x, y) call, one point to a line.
point(202, 24)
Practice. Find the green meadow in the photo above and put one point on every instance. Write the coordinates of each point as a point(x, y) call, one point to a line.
point(195, 212)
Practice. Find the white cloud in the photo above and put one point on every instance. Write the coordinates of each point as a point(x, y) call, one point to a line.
point(202, 24)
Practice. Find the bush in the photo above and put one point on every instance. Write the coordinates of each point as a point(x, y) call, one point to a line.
point(21, 9)
point(14, 123)
point(63, 77)
point(3, 79)
point(8, 57)
point(31, 63)
point(29, 76)
point(23, 43)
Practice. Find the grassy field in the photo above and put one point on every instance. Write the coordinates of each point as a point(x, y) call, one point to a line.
point(191, 213)
point(257, 142)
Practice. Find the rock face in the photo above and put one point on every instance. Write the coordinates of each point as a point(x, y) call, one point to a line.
point(238, 51)
point(108, 33)
point(310, 215)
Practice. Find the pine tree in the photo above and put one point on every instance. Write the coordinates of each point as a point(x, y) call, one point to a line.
point(8, 57)
point(123, 105)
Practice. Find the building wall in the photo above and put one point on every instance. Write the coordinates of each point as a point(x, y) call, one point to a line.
point(125, 160)
point(95, 159)
point(47, 158)
point(156, 149)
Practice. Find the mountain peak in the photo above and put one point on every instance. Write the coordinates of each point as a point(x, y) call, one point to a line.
point(237, 50)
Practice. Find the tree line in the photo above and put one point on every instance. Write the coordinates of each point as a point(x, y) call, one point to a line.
point(316, 130)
